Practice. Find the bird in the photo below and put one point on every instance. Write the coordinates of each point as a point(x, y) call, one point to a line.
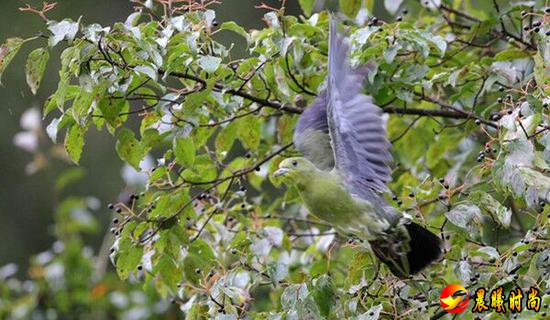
point(345, 165)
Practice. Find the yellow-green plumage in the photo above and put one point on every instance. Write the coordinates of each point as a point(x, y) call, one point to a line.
point(326, 197)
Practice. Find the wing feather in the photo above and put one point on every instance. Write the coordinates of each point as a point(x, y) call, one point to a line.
point(343, 128)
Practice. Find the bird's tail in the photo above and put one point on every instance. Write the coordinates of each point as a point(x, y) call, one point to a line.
point(403, 257)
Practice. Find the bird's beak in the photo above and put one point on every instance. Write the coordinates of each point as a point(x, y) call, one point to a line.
point(280, 172)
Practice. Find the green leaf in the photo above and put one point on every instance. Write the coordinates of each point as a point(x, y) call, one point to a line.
point(201, 258)
point(69, 57)
point(168, 271)
point(63, 30)
point(74, 142)
point(36, 65)
point(128, 258)
point(169, 204)
point(184, 149)
point(232, 26)
point(499, 212)
point(8, 50)
point(350, 7)
point(307, 6)
point(464, 215)
point(209, 63)
point(511, 54)
point(111, 109)
point(324, 295)
point(249, 131)
point(225, 139)
point(130, 149)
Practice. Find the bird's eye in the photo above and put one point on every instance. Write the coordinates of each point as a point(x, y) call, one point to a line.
point(295, 163)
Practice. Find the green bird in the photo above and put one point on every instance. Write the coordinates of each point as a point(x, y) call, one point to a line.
point(343, 173)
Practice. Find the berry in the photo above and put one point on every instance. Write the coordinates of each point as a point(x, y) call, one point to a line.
point(411, 194)
point(111, 206)
point(478, 122)
point(215, 23)
point(197, 270)
point(405, 11)
point(536, 30)
point(140, 267)
point(242, 189)
point(394, 198)
point(115, 221)
point(399, 19)
point(118, 210)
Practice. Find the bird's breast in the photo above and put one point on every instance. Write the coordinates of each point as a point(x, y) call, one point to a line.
point(329, 200)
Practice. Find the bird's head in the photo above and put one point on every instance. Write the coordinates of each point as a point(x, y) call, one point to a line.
point(294, 170)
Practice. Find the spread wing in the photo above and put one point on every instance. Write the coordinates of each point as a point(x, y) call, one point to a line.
point(343, 128)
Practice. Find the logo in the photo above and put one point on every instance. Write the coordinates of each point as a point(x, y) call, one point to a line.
point(454, 298)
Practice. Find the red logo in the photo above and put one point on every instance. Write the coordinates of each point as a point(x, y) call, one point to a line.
point(454, 298)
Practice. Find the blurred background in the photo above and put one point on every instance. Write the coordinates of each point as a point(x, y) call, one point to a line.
point(27, 201)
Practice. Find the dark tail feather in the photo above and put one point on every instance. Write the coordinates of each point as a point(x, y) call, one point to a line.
point(425, 247)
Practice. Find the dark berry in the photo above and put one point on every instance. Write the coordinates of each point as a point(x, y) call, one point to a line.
point(399, 19)
point(140, 267)
point(118, 210)
point(536, 30)
point(115, 221)
point(215, 23)
point(110, 206)
point(197, 270)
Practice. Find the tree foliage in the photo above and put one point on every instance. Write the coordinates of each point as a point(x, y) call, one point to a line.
point(466, 87)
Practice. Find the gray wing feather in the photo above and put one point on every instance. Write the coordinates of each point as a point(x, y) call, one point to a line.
point(358, 136)
point(343, 127)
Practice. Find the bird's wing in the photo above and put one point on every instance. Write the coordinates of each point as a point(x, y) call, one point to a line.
point(311, 135)
point(356, 130)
